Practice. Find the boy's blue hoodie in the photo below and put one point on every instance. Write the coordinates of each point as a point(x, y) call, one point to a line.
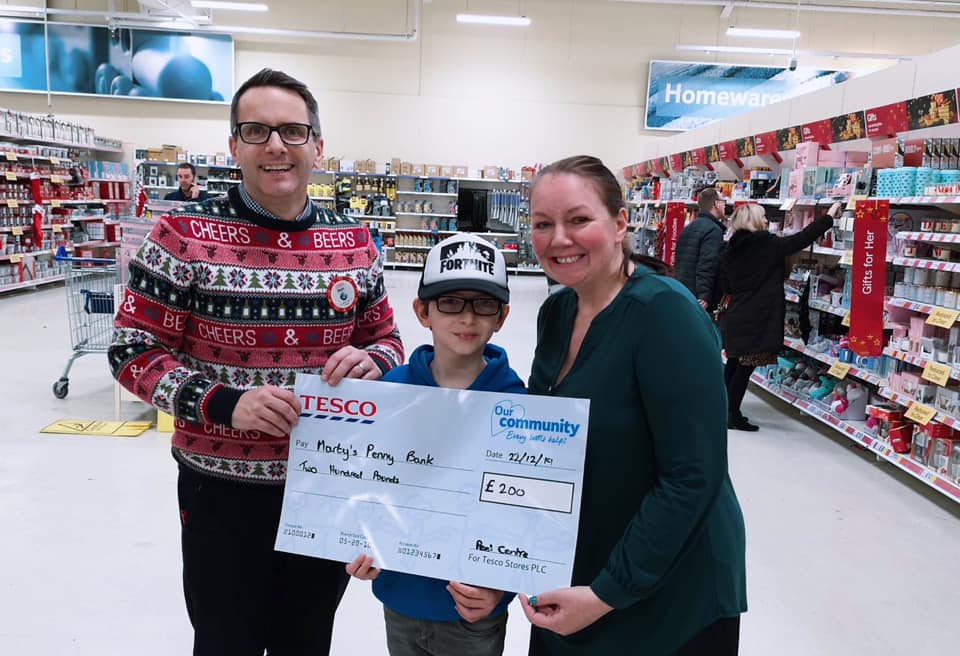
point(420, 597)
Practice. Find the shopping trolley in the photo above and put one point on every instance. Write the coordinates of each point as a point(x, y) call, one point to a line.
point(90, 283)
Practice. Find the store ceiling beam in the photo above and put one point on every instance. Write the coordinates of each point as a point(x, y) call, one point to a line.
point(795, 7)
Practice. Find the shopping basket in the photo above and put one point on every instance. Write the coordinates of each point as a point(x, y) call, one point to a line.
point(90, 283)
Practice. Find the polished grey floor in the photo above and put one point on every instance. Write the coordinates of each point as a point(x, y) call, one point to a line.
point(845, 556)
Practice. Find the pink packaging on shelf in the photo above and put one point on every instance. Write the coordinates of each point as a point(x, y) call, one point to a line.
point(830, 158)
point(806, 154)
point(856, 158)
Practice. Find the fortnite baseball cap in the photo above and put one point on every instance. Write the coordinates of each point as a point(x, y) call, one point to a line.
point(464, 262)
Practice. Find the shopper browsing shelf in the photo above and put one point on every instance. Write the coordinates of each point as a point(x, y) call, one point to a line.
point(188, 189)
point(659, 567)
point(699, 249)
point(227, 300)
point(463, 307)
point(751, 272)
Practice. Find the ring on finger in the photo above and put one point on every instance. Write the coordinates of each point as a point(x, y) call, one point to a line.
point(362, 367)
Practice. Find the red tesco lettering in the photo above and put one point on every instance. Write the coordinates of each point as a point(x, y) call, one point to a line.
point(350, 407)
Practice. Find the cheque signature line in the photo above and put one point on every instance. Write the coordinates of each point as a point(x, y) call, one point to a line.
point(377, 503)
point(529, 464)
point(537, 560)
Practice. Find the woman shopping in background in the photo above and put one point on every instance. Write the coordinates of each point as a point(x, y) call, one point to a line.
point(751, 272)
point(659, 566)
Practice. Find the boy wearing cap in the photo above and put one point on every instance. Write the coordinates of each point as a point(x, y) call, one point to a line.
point(463, 299)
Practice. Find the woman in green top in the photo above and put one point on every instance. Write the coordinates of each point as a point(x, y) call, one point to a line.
point(659, 567)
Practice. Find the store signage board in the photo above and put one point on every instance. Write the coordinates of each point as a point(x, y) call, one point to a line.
point(819, 131)
point(887, 120)
point(920, 413)
point(932, 110)
point(839, 370)
point(766, 143)
point(943, 318)
point(699, 156)
point(686, 95)
point(869, 277)
point(124, 62)
point(788, 138)
point(746, 147)
point(936, 373)
point(727, 151)
point(676, 213)
point(676, 162)
point(848, 127)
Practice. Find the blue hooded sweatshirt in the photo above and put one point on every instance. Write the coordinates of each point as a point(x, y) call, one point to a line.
point(420, 597)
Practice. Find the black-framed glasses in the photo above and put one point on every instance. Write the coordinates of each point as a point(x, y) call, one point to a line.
point(482, 306)
point(292, 134)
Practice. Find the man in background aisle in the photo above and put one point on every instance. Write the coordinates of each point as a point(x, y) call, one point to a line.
point(189, 189)
point(699, 249)
point(227, 300)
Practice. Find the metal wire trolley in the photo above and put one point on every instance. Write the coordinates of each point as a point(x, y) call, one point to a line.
point(89, 282)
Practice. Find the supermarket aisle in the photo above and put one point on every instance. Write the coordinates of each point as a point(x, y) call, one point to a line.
point(844, 556)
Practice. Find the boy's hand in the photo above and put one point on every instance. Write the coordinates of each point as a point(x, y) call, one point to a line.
point(362, 568)
point(473, 603)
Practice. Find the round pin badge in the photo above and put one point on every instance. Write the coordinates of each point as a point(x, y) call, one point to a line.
point(342, 294)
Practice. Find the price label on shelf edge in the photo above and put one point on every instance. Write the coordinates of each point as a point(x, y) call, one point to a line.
point(920, 413)
point(54, 203)
point(847, 258)
point(11, 176)
point(943, 318)
point(17, 231)
point(12, 202)
point(11, 157)
point(839, 370)
point(16, 259)
point(56, 179)
point(846, 320)
point(55, 161)
point(57, 227)
point(936, 373)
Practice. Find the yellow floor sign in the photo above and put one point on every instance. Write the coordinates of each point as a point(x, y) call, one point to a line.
point(94, 427)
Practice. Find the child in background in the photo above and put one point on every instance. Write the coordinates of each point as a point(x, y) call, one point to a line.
point(463, 299)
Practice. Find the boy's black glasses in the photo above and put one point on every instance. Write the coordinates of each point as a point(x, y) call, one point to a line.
point(482, 307)
point(292, 134)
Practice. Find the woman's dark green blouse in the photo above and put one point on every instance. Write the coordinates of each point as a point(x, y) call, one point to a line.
point(661, 535)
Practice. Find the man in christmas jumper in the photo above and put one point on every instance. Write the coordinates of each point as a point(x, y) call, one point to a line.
point(226, 301)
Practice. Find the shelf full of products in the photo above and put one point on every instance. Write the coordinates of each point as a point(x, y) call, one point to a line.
point(53, 195)
point(907, 396)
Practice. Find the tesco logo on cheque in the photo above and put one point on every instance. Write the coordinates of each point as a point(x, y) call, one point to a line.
point(509, 419)
point(337, 409)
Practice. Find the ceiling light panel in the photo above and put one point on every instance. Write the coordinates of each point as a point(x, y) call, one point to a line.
point(480, 19)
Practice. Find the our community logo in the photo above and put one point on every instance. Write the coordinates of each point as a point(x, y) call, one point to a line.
point(510, 420)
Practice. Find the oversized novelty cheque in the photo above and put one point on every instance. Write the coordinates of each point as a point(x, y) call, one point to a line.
point(478, 487)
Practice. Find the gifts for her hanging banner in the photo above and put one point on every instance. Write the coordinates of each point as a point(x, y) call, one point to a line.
point(673, 225)
point(869, 277)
